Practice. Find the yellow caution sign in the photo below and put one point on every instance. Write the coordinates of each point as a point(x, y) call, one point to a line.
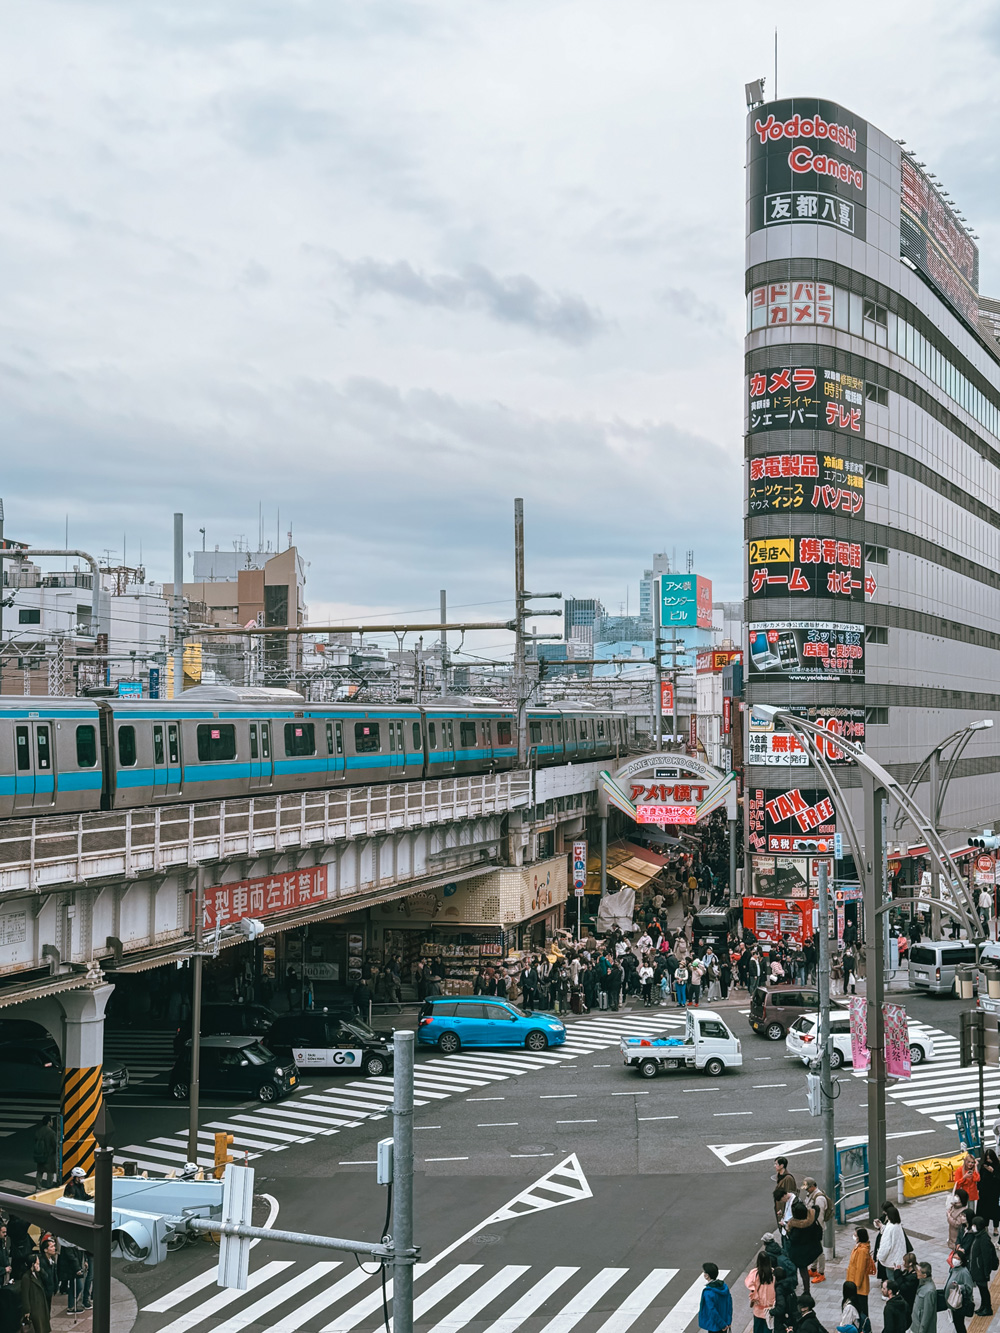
point(930, 1175)
point(81, 1101)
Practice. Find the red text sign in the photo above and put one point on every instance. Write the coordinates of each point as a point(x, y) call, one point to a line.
point(226, 903)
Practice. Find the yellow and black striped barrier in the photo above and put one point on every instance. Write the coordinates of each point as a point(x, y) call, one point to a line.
point(81, 1102)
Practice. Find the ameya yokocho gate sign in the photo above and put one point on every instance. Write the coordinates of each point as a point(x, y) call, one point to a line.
point(665, 788)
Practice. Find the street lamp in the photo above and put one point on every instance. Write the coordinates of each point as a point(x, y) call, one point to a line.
point(878, 787)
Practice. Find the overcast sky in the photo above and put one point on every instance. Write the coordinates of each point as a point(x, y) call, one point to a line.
point(384, 266)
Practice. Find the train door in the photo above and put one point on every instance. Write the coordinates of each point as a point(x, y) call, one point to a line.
point(261, 757)
point(335, 749)
point(397, 754)
point(34, 767)
point(166, 759)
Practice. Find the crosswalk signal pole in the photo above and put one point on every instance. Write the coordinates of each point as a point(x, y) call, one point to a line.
point(402, 1195)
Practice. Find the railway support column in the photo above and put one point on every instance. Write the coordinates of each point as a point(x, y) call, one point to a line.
point(83, 1058)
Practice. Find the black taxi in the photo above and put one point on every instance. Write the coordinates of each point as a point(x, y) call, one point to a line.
point(332, 1042)
point(243, 1066)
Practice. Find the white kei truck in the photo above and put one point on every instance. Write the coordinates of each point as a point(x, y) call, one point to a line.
point(707, 1044)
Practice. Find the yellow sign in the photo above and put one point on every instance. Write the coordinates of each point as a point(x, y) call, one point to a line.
point(773, 551)
point(930, 1175)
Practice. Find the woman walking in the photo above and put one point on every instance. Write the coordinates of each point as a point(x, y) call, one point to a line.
point(958, 1293)
point(860, 1267)
point(761, 1286)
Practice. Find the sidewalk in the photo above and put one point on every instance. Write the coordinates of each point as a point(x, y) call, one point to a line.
point(925, 1225)
point(124, 1312)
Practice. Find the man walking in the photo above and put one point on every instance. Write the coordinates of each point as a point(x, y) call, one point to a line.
point(715, 1310)
point(784, 1181)
point(45, 1153)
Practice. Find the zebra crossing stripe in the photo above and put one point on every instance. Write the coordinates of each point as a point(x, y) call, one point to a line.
point(181, 1293)
point(214, 1304)
point(444, 1286)
point(584, 1301)
point(470, 1307)
point(303, 1313)
point(636, 1301)
point(276, 1297)
point(537, 1295)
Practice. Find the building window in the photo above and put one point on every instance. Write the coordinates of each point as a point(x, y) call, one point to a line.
point(879, 476)
point(86, 747)
point(877, 717)
point(216, 743)
point(300, 739)
point(366, 738)
point(877, 555)
point(876, 394)
point(876, 634)
point(126, 747)
point(30, 615)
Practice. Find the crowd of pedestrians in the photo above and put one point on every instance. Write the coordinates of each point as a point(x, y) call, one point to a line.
point(31, 1279)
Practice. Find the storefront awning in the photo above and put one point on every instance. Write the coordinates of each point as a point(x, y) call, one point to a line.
point(644, 854)
point(633, 872)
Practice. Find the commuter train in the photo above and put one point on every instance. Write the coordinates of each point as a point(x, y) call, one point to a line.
point(59, 756)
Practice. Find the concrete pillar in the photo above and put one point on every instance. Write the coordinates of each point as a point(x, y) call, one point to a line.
point(83, 1058)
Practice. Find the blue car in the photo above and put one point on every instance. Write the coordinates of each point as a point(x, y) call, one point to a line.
point(451, 1022)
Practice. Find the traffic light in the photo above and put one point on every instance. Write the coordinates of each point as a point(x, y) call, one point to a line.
point(223, 1142)
point(141, 1237)
point(989, 842)
point(972, 1037)
point(813, 1095)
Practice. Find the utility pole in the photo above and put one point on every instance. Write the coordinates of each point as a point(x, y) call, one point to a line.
point(178, 605)
point(444, 643)
point(825, 1072)
point(521, 599)
point(934, 774)
point(194, 1089)
point(402, 1189)
point(874, 889)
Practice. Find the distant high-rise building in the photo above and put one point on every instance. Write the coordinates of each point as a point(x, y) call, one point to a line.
point(580, 613)
point(661, 565)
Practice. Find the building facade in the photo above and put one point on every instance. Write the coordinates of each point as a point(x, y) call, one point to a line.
point(872, 432)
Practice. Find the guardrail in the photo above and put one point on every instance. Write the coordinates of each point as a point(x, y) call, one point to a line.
point(72, 849)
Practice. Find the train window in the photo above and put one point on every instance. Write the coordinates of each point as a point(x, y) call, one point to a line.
point(126, 747)
point(158, 755)
point(340, 737)
point(503, 733)
point(432, 734)
point(559, 735)
point(416, 736)
point(366, 738)
point(399, 735)
point(451, 734)
point(329, 738)
point(44, 747)
point(535, 733)
point(467, 735)
point(86, 747)
point(254, 749)
point(216, 743)
point(583, 731)
point(23, 744)
point(300, 738)
point(173, 745)
point(488, 734)
point(600, 729)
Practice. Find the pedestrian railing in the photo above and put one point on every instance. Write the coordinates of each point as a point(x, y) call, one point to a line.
point(856, 1187)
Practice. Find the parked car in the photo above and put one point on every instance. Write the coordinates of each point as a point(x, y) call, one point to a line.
point(707, 1044)
point(931, 965)
point(332, 1042)
point(240, 1065)
point(227, 1019)
point(802, 1036)
point(33, 1067)
point(773, 1009)
point(450, 1022)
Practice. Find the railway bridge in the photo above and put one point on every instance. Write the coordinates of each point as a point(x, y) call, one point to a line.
point(91, 898)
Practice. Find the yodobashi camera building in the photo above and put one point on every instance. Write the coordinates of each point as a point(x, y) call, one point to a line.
point(872, 474)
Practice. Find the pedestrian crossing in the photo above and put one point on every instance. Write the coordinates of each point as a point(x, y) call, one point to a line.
point(320, 1110)
point(147, 1056)
point(17, 1113)
point(332, 1296)
point(941, 1086)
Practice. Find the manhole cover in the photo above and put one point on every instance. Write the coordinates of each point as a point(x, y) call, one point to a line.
point(532, 1147)
point(487, 1239)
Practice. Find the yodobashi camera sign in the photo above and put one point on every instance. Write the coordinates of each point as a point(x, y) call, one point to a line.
point(807, 162)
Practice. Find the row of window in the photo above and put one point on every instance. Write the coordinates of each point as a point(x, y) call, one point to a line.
point(574, 731)
point(86, 747)
point(783, 304)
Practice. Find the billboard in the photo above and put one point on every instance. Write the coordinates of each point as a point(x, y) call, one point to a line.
point(807, 162)
point(781, 303)
point(805, 567)
point(770, 743)
point(934, 241)
point(685, 601)
point(806, 484)
point(806, 650)
point(805, 398)
point(789, 819)
point(716, 659)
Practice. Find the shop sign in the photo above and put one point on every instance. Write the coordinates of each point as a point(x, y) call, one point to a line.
point(678, 793)
point(667, 814)
point(805, 567)
point(897, 1041)
point(693, 731)
point(934, 240)
point(860, 1055)
point(226, 903)
point(666, 696)
point(727, 714)
point(807, 650)
point(768, 745)
point(579, 865)
point(808, 162)
point(806, 484)
point(790, 821)
point(685, 601)
point(779, 877)
point(805, 398)
point(985, 870)
point(781, 303)
point(717, 659)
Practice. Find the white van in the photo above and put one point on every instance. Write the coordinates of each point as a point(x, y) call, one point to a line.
point(932, 964)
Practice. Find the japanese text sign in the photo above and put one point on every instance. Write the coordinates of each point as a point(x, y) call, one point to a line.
point(805, 398)
point(227, 903)
point(897, 1041)
point(579, 865)
point(807, 650)
point(806, 484)
point(860, 1055)
point(806, 567)
point(685, 601)
point(666, 814)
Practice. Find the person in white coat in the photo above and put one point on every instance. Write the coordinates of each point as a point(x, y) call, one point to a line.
point(892, 1246)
